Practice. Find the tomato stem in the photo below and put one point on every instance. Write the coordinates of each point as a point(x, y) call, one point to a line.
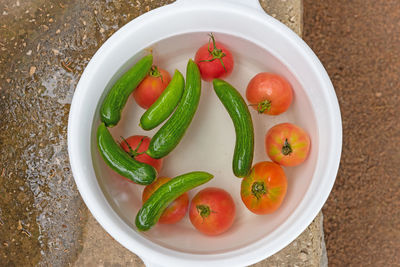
point(134, 153)
point(258, 189)
point(203, 210)
point(287, 148)
point(215, 52)
point(262, 106)
point(154, 72)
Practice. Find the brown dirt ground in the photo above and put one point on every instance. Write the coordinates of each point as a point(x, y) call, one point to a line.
point(359, 44)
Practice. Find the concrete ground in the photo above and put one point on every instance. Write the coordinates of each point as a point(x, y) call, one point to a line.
point(359, 44)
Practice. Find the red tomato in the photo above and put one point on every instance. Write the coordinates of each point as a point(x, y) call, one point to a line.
point(287, 144)
point(264, 189)
point(137, 144)
point(176, 210)
point(151, 87)
point(269, 93)
point(214, 60)
point(212, 211)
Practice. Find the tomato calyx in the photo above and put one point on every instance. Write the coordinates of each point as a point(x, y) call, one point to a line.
point(154, 72)
point(203, 210)
point(262, 106)
point(258, 189)
point(216, 53)
point(286, 148)
point(134, 153)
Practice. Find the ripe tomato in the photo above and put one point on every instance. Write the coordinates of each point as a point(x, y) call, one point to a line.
point(151, 87)
point(212, 211)
point(214, 60)
point(176, 210)
point(264, 189)
point(269, 93)
point(136, 145)
point(287, 144)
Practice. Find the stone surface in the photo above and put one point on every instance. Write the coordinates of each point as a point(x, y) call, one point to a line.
point(289, 12)
point(45, 46)
point(307, 250)
point(359, 44)
point(100, 249)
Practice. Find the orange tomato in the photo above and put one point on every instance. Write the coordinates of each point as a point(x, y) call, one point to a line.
point(264, 189)
point(269, 93)
point(287, 144)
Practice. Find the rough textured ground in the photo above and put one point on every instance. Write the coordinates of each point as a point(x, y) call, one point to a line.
point(44, 47)
point(359, 44)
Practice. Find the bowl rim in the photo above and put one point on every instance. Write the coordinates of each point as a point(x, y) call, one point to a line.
point(154, 253)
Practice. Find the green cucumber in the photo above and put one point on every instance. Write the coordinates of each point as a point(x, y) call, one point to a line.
point(152, 209)
point(120, 161)
point(240, 115)
point(170, 134)
point(165, 104)
point(111, 108)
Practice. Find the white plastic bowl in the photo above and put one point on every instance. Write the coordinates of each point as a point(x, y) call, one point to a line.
point(259, 43)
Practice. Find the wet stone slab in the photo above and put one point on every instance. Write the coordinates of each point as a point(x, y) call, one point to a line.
point(44, 47)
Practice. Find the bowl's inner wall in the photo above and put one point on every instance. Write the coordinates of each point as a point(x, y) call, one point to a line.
point(208, 145)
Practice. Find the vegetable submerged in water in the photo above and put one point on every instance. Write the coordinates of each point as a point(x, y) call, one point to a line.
point(111, 108)
point(153, 208)
point(171, 133)
point(238, 111)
